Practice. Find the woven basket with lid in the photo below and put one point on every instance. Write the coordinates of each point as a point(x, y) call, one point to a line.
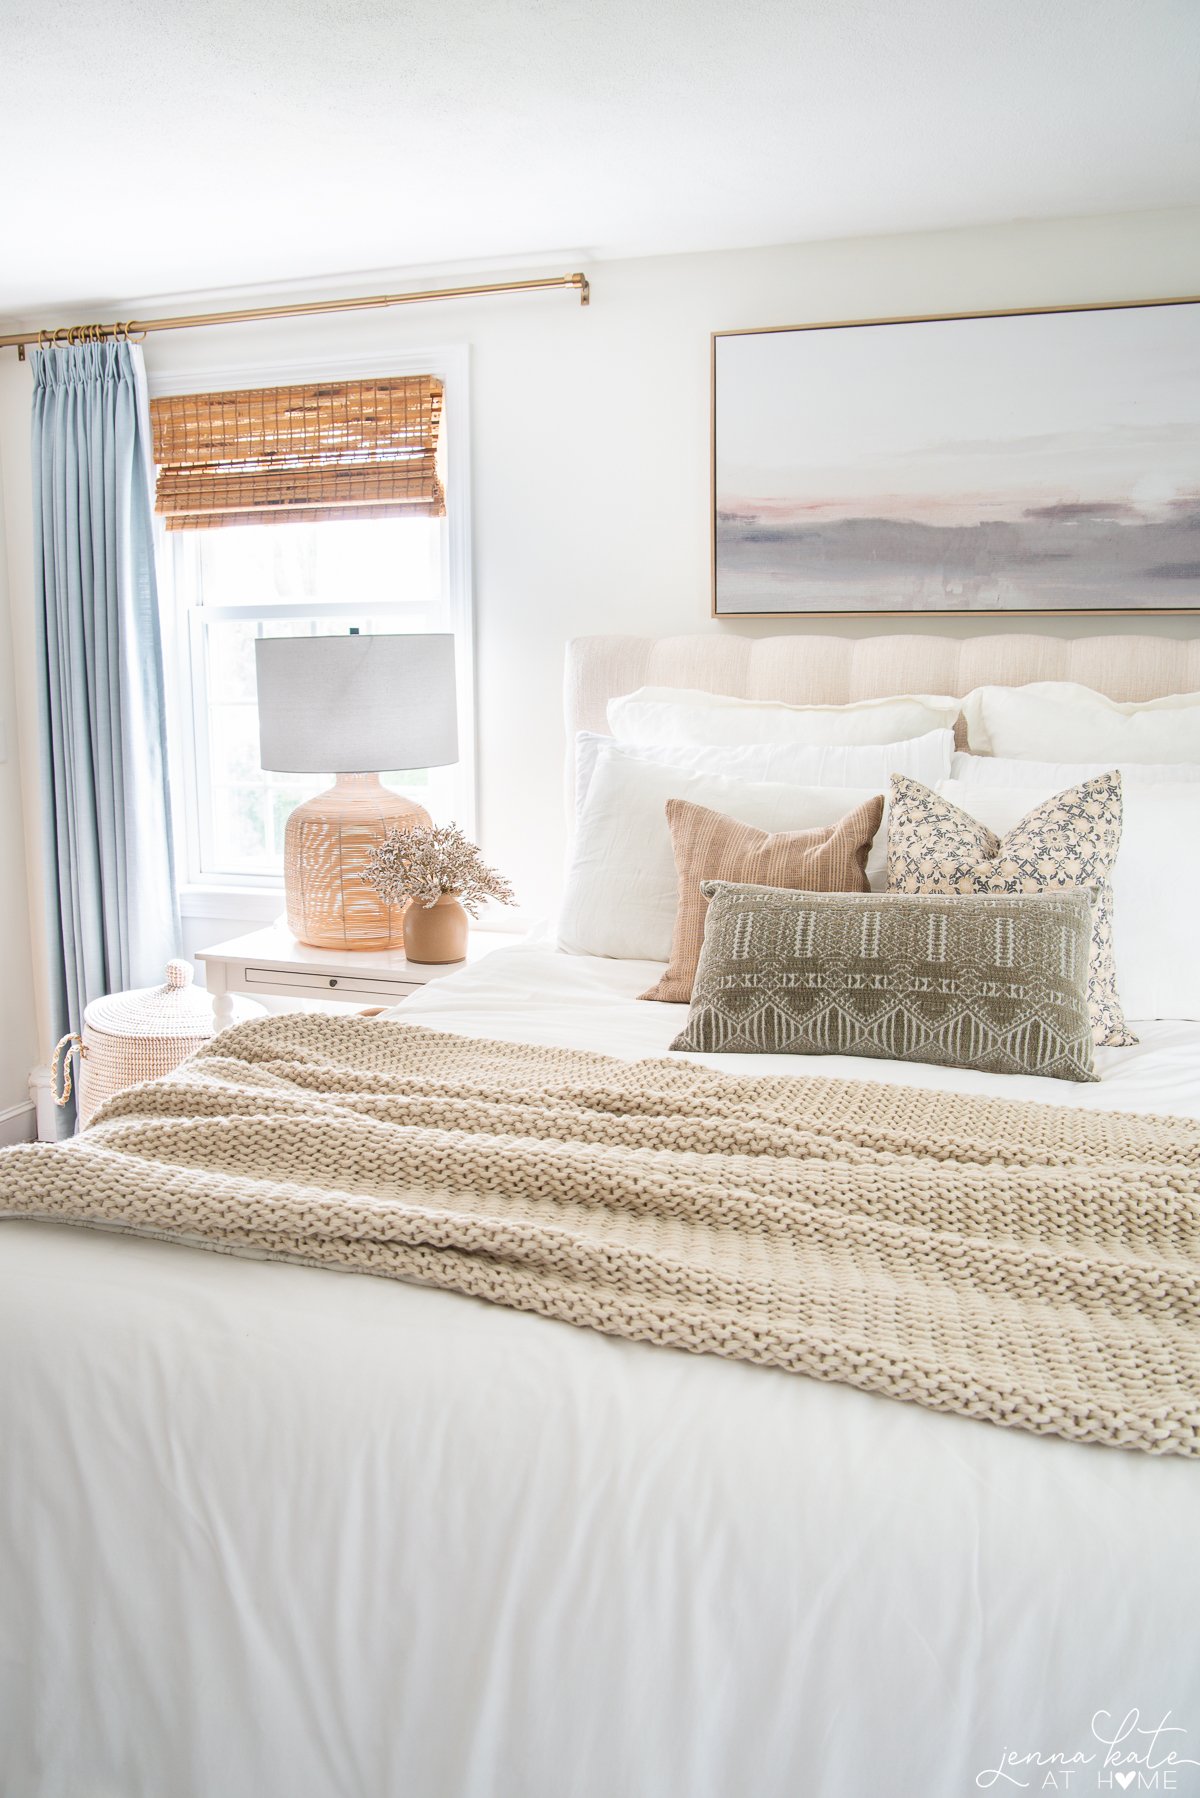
point(139, 1035)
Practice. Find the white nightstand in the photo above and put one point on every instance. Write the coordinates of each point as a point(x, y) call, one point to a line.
point(272, 963)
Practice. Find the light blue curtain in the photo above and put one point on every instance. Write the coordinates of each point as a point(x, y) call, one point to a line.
point(110, 870)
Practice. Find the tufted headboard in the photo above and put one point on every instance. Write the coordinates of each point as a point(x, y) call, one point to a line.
point(834, 670)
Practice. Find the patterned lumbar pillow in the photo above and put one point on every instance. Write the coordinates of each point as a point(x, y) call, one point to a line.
point(1069, 842)
point(710, 846)
point(996, 982)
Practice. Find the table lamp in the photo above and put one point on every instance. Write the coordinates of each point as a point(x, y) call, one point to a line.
point(352, 706)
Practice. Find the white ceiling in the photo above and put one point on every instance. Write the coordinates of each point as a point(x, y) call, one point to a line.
point(155, 148)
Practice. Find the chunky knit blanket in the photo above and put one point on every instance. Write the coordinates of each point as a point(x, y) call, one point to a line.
point(1035, 1266)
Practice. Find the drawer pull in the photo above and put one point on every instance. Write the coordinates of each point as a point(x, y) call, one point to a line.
point(333, 983)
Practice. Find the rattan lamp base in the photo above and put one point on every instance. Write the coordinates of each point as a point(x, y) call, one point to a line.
point(327, 845)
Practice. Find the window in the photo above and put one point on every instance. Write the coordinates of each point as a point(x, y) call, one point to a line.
point(226, 587)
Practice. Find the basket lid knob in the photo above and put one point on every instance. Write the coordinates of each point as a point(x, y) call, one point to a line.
point(179, 974)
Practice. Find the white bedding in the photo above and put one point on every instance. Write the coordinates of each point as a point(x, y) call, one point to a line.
point(534, 994)
point(271, 1530)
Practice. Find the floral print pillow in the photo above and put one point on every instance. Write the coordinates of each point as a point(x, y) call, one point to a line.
point(1070, 841)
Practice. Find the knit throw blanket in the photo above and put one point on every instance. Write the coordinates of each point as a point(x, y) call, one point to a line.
point(1035, 1266)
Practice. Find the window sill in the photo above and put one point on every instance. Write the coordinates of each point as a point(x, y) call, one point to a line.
point(257, 905)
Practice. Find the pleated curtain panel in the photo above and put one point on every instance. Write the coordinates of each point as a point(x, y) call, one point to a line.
point(107, 822)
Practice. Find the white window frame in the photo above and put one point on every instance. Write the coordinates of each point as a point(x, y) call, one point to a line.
point(257, 897)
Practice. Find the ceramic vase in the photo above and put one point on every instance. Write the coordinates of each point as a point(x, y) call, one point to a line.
point(436, 933)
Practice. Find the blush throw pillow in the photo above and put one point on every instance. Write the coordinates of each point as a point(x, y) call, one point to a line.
point(710, 846)
point(1071, 841)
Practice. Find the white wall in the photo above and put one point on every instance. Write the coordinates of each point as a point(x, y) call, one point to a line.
point(590, 447)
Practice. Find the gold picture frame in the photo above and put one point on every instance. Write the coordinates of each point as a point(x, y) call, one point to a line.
point(1056, 549)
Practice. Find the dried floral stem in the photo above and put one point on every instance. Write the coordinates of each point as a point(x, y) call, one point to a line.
point(423, 863)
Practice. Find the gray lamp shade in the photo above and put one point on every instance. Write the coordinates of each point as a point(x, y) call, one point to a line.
point(356, 705)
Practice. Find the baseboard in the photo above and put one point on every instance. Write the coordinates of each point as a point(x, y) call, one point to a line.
point(18, 1124)
point(47, 1113)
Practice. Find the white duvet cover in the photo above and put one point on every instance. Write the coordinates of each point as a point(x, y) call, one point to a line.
point(534, 994)
point(288, 1533)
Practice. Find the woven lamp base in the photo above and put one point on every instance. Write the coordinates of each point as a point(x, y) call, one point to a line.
point(327, 844)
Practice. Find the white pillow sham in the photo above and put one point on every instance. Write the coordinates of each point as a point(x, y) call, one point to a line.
point(1156, 881)
point(622, 890)
point(1009, 771)
point(928, 759)
point(681, 715)
point(1060, 721)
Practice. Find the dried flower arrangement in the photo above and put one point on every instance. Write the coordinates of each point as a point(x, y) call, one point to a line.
point(429, 860)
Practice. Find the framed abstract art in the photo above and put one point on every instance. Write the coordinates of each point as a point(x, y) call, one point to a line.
point(977, 463)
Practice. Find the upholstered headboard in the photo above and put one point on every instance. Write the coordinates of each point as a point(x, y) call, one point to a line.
point(835, 670)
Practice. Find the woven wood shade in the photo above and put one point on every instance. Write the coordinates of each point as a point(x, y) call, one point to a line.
point(344, 449)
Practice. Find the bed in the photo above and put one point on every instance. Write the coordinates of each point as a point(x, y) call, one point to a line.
point(279, 1529)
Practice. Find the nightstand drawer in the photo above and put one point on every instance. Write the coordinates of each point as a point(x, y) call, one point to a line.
point(271, 963)
point(328, 986)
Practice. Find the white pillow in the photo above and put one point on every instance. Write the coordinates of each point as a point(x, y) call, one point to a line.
point(1056, 777)
point(682, 716)
point(1156, 884)
point(926, 758)
point(1060, 721)
point(621, 890)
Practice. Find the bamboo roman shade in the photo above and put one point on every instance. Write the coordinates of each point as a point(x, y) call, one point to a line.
point(342, 449)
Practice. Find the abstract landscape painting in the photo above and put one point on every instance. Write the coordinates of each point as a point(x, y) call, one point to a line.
point(1042, 462)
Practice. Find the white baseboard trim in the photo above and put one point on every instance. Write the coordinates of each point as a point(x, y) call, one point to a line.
point(47, 1113)
point(18, 1123)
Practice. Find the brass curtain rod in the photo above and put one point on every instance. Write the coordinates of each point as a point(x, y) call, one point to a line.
point(136, 329)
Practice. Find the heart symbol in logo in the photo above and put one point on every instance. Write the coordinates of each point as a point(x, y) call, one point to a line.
point(1124, 1780)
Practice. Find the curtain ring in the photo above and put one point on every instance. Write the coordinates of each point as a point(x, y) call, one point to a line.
point(133, 335)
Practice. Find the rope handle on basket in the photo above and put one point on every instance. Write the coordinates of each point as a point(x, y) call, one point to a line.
point(69, 1042)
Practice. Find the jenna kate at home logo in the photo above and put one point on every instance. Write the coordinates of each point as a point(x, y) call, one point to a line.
point(1128, 1754)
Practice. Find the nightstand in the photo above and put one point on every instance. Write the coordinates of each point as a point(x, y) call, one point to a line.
point(271, 963)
